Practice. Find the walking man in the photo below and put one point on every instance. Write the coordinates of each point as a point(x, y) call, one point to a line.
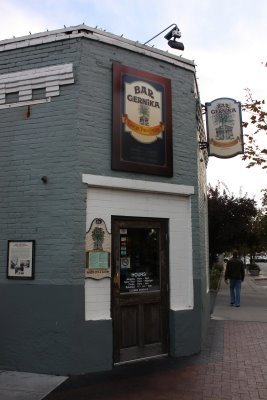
point(235, 272)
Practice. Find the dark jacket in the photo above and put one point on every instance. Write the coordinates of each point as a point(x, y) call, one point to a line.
point(234, 269)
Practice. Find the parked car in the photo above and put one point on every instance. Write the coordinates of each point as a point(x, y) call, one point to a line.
point(260, 258)
point(245, 259)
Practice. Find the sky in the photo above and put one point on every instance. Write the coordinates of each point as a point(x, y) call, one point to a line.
point(226, 39)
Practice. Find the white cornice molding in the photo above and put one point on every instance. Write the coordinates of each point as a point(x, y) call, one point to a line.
point(137, 185)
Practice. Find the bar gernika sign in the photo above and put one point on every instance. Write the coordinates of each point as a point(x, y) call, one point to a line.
point(224, 128)
point(142, 122)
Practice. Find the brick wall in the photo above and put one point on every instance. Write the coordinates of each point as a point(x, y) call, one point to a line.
point(63, 139)
point(41, 140)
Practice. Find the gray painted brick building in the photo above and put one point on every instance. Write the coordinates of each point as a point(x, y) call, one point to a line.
point(103, 239)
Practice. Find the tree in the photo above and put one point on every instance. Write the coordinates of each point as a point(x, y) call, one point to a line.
point(144, 114)
point(230, 221)
point(255, 152)
point(260, 224)
point(260, 231)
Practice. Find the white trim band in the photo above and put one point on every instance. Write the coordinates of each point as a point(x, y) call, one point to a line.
point(25, 103)
point(137, 185)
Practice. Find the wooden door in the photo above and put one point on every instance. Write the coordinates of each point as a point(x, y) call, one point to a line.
point(140, 288)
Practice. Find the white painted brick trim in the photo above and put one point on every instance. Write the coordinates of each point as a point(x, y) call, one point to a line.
point(25, 103)
point(107, 196)
point(50, 78)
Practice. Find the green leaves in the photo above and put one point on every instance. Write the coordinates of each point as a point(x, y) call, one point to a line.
point(230, 220)
point(254, 150)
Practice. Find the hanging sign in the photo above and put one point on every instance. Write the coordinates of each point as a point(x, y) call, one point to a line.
point(98, 249)
point(142, 122)
point(224, 128)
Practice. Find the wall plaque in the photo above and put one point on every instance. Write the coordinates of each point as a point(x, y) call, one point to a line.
point(142, 122)
point(20, 259)
point(98, 249)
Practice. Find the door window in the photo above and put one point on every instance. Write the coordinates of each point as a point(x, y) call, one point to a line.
point(139, 259)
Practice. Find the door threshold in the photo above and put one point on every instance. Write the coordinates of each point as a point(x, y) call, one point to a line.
point(140, 359)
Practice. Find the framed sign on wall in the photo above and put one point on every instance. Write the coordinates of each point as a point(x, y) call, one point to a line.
point(20, 259)
point(98, 250)
point(142, 122)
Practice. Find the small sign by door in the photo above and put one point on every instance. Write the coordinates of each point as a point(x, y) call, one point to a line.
point(98, 249)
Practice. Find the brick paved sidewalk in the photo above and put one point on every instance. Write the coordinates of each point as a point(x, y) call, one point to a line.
point(231, 366)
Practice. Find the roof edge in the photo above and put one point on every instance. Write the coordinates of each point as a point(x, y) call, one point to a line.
point(94, 34)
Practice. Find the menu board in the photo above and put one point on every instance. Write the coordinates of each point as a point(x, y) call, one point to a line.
point(98, 259)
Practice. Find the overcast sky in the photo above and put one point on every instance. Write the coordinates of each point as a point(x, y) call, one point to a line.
point(226, 39)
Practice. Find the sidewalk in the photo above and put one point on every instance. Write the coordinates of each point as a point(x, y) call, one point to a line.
point(253, 302)
point(26, 386)
point(232, 364)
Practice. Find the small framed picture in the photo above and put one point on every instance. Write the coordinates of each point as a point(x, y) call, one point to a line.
point(20, 259)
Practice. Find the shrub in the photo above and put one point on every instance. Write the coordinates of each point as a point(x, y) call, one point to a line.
point(253, 267)
point(218, 267)
point(215, 276)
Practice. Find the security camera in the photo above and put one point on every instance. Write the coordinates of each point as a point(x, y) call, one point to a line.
point(176, 33)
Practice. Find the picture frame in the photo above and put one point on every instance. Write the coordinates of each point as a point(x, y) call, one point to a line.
point(98, 250)
point(21, 259)
point(142, 122)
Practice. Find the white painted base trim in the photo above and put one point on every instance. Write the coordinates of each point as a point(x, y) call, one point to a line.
point(97, 299)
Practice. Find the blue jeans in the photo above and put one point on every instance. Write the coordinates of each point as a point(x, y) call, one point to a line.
point(235, 289)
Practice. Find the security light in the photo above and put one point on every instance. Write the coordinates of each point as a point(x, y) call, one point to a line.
point(176, 45)
point(174, 33)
